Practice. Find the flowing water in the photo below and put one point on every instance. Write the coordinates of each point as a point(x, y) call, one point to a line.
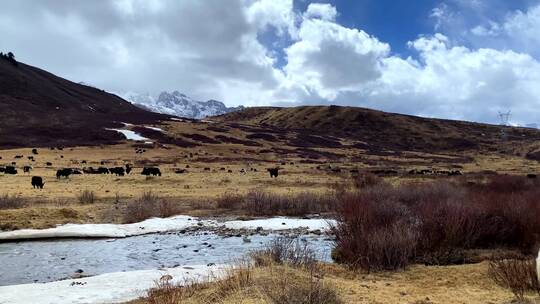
point(51, 260)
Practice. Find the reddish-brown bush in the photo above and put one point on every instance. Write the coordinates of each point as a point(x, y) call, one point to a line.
point(374, 232)
point(434, 222)
point(258, 202)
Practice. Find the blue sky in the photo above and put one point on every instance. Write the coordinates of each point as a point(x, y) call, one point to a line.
point(456, 59)
point(400, 21)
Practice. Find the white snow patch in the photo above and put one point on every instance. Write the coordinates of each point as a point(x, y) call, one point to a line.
point(126, 124)
point(282, 223)
point(130, 135)
point(117, 287)
point(177, 119)
point(152, 225)
point(155, 129)
point(156, 225)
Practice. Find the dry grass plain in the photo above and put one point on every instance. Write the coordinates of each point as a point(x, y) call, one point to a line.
point(195, 193)
point(207, 150)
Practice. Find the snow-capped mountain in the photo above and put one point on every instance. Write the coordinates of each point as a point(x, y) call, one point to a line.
point(179, 104)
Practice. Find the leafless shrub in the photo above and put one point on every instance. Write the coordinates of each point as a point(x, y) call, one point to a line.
point(517, 273)
point(287, 287)
point(8, 201)
point(366, 179)
point(230, 280)
point(86, 197)
point(147, 206)
point(386, 227)
point(285, 251)
point(230, 201)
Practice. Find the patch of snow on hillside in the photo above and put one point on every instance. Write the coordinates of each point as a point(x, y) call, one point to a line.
point(131, 135)
point(155, 129)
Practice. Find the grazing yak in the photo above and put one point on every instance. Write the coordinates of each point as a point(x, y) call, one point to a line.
point(34, 151)
point(10, 170)
point(180, 171)
point(273, 172)
point(66, 172)
point(128, 168)
point(27, 169)
point(103, 170)
point(2, 169)
point(37, 182)
point(90, 170)
point(48, 164)
point(119, 171)
point(151, 171)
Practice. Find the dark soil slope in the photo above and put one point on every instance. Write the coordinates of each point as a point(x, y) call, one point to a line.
point(38, 108)
point(380, 130)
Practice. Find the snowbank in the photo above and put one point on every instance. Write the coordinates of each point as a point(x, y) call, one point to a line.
point(115, 287)
point(152, 225)
point(155, 225)
point(155, 129)
point(130, 135)
point(281, 223)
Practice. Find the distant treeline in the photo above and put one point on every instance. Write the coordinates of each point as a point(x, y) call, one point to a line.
point(9, 57)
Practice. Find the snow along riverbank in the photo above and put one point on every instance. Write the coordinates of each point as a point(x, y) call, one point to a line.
point(115, 287)
point(157, 225)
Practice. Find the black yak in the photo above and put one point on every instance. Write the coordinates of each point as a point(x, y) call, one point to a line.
point(119, 171)
point(151, 171)
point(273, 172)
point(64, 172)
point(37, 182)
point(10, 170)
point(103, 170)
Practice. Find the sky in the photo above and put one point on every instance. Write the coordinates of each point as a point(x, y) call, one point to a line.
point(455, 59)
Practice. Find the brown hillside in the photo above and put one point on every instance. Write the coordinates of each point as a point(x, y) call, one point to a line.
point(382, 131)
point(38, 108)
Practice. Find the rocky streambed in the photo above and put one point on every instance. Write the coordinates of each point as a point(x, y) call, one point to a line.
point(56, 259)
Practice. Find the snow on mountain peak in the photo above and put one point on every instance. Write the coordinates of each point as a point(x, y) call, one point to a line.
point(179, 104)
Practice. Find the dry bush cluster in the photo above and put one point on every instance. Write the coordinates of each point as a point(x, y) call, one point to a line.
point(86, 197)
point(149, 205)
point(285, 251)
point(13, 201)
point(385, 227)
point(262, 203)
point(517, 273)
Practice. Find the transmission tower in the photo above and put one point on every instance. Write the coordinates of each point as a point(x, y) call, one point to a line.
point(504, 117)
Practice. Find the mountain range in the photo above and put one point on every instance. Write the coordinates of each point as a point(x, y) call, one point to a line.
point(178, 104)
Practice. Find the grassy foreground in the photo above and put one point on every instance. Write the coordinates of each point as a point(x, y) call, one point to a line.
point(286, 284)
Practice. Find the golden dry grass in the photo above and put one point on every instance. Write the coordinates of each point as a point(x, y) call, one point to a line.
point(419, 284)
point(195, 191)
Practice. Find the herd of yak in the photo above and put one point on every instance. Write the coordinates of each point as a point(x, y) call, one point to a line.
point(37, 181)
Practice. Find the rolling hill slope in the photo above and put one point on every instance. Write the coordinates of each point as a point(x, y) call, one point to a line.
point(38, 109)
point(383, 131)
